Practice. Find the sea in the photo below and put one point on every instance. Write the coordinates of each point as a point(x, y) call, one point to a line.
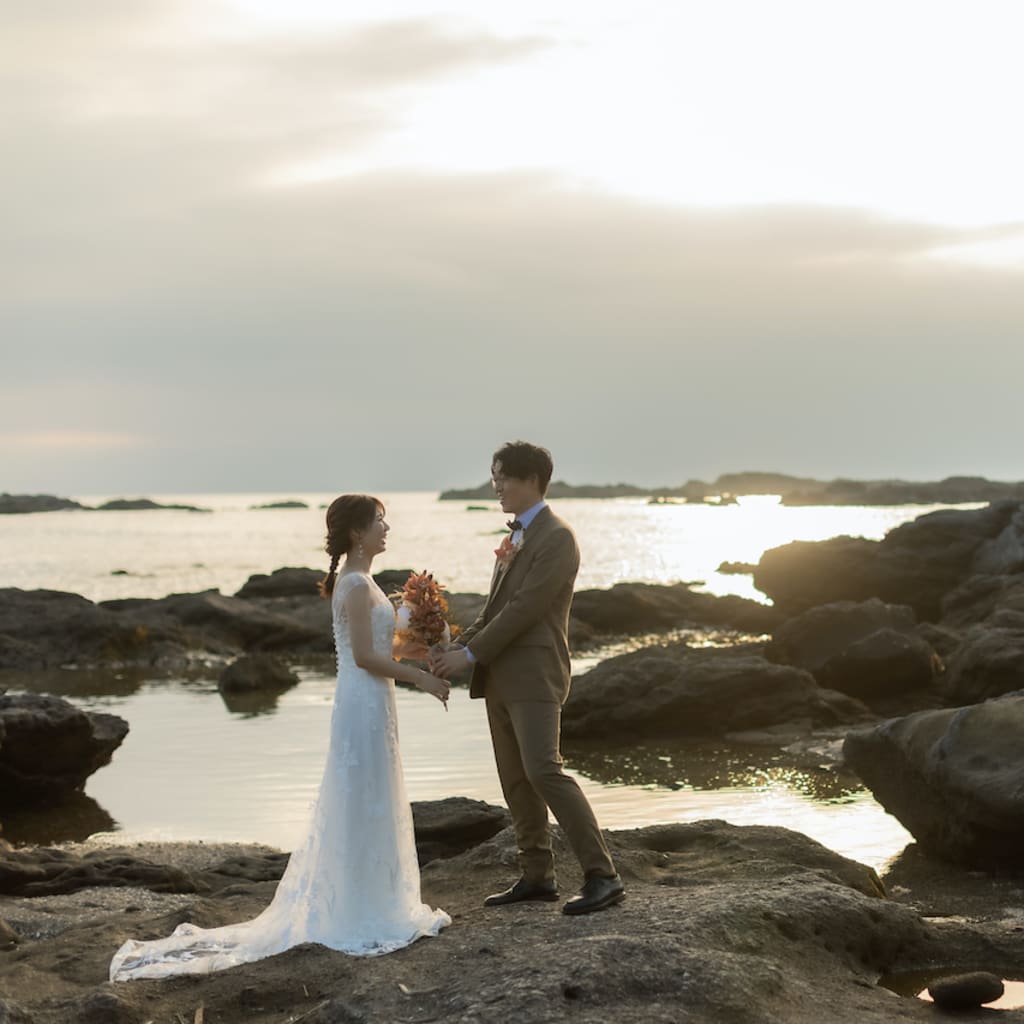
point(193, 769)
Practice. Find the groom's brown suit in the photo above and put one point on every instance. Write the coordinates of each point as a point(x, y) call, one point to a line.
point(521, 646)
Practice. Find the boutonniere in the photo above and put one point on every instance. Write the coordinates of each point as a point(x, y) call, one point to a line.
point(506, 551)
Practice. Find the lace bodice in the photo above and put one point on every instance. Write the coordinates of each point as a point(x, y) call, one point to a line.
point(382, 617)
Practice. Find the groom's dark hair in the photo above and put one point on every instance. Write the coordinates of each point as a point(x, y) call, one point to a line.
point(523, 460)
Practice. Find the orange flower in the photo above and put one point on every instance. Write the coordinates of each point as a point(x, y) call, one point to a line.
point(506, 552)
point(423, 612)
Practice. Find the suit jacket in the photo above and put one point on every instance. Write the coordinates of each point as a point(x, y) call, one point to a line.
point(521, 638)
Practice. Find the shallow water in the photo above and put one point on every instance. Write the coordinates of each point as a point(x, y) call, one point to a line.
point(192, 769)
point(105, 555)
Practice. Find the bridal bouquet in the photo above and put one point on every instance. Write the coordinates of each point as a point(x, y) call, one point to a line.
point(422, 614)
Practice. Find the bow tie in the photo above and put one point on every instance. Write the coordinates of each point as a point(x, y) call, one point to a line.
point(514, 524)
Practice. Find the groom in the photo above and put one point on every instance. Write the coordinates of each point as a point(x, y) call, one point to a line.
point(518, 650)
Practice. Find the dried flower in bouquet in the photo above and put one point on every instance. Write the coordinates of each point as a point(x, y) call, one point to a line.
point(422, 613)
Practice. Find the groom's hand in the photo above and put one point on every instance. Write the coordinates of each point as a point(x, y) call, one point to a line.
point(448, 662)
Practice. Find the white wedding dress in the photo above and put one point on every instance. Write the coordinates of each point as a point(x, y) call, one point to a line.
point(354, 882)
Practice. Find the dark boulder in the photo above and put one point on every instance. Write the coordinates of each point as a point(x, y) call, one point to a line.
point(48, 628)
point(981, 599)
point(254, 673)
point(678, 691)
point(867, 649)
point(988, 663)
point(49, 747)
point(884, 664)
point(286, 582)
point(646, 607)
point(811, 639)
point(446, 828)
point(954, 777)
point(966, 991)
point(917, 563)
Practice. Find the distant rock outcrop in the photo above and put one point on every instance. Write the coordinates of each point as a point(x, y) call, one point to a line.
point(143, 505)
point(22, 504)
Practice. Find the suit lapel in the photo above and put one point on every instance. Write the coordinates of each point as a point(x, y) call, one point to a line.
point(538, 525)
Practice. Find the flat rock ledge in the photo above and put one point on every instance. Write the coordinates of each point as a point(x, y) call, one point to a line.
point(747, 925)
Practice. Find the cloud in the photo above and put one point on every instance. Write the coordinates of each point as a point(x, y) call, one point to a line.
point(390, 330)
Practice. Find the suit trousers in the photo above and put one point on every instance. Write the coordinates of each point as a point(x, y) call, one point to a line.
point(525, 736)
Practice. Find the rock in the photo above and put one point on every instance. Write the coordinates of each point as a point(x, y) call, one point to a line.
point(143, 505)
point(48, 628)
point(736, 568)
point(810, 640)
point(964, 991)
point(645, 607)
point(721, 923)
point(678, 691)
point(980, 598)
point(48, 747)
point(988, 663)
point(211, 622)
point(287, 582)
point(254, 673)
point(445, 828)
point(44, 871)
point(885, 664)
point(917, 563)
point(22, 504)
point(953, 777)
point(804, 574)
point(869, 650)
point(280, 504)
point(942, 640)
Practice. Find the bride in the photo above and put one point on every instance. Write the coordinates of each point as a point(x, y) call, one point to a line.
point(353, 884)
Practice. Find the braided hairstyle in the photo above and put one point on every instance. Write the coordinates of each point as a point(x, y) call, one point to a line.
point(345, 514)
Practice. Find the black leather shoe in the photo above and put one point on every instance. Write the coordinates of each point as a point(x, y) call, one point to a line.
point(597, 893)
point(523, 891)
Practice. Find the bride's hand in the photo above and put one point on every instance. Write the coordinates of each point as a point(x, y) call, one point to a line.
point(439, 688)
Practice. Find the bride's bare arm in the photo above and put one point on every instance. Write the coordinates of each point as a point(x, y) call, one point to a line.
point(357, 608)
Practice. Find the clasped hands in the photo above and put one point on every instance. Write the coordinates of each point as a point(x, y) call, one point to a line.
point(447, 660)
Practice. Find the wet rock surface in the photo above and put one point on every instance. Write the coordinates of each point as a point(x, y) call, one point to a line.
point(720, 923)
point(254, 673)
point(917, 563)
point(869, 650)
point(48, 747)
point(953, 777)
point(675, 690)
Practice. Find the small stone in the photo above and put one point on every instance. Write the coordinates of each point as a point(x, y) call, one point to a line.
point(963, 991)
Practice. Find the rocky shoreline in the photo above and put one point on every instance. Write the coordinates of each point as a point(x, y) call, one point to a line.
point(954, 490)
point(721, 924)
point(901, 660)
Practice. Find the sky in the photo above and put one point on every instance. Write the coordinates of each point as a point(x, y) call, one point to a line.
point(272, 245)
